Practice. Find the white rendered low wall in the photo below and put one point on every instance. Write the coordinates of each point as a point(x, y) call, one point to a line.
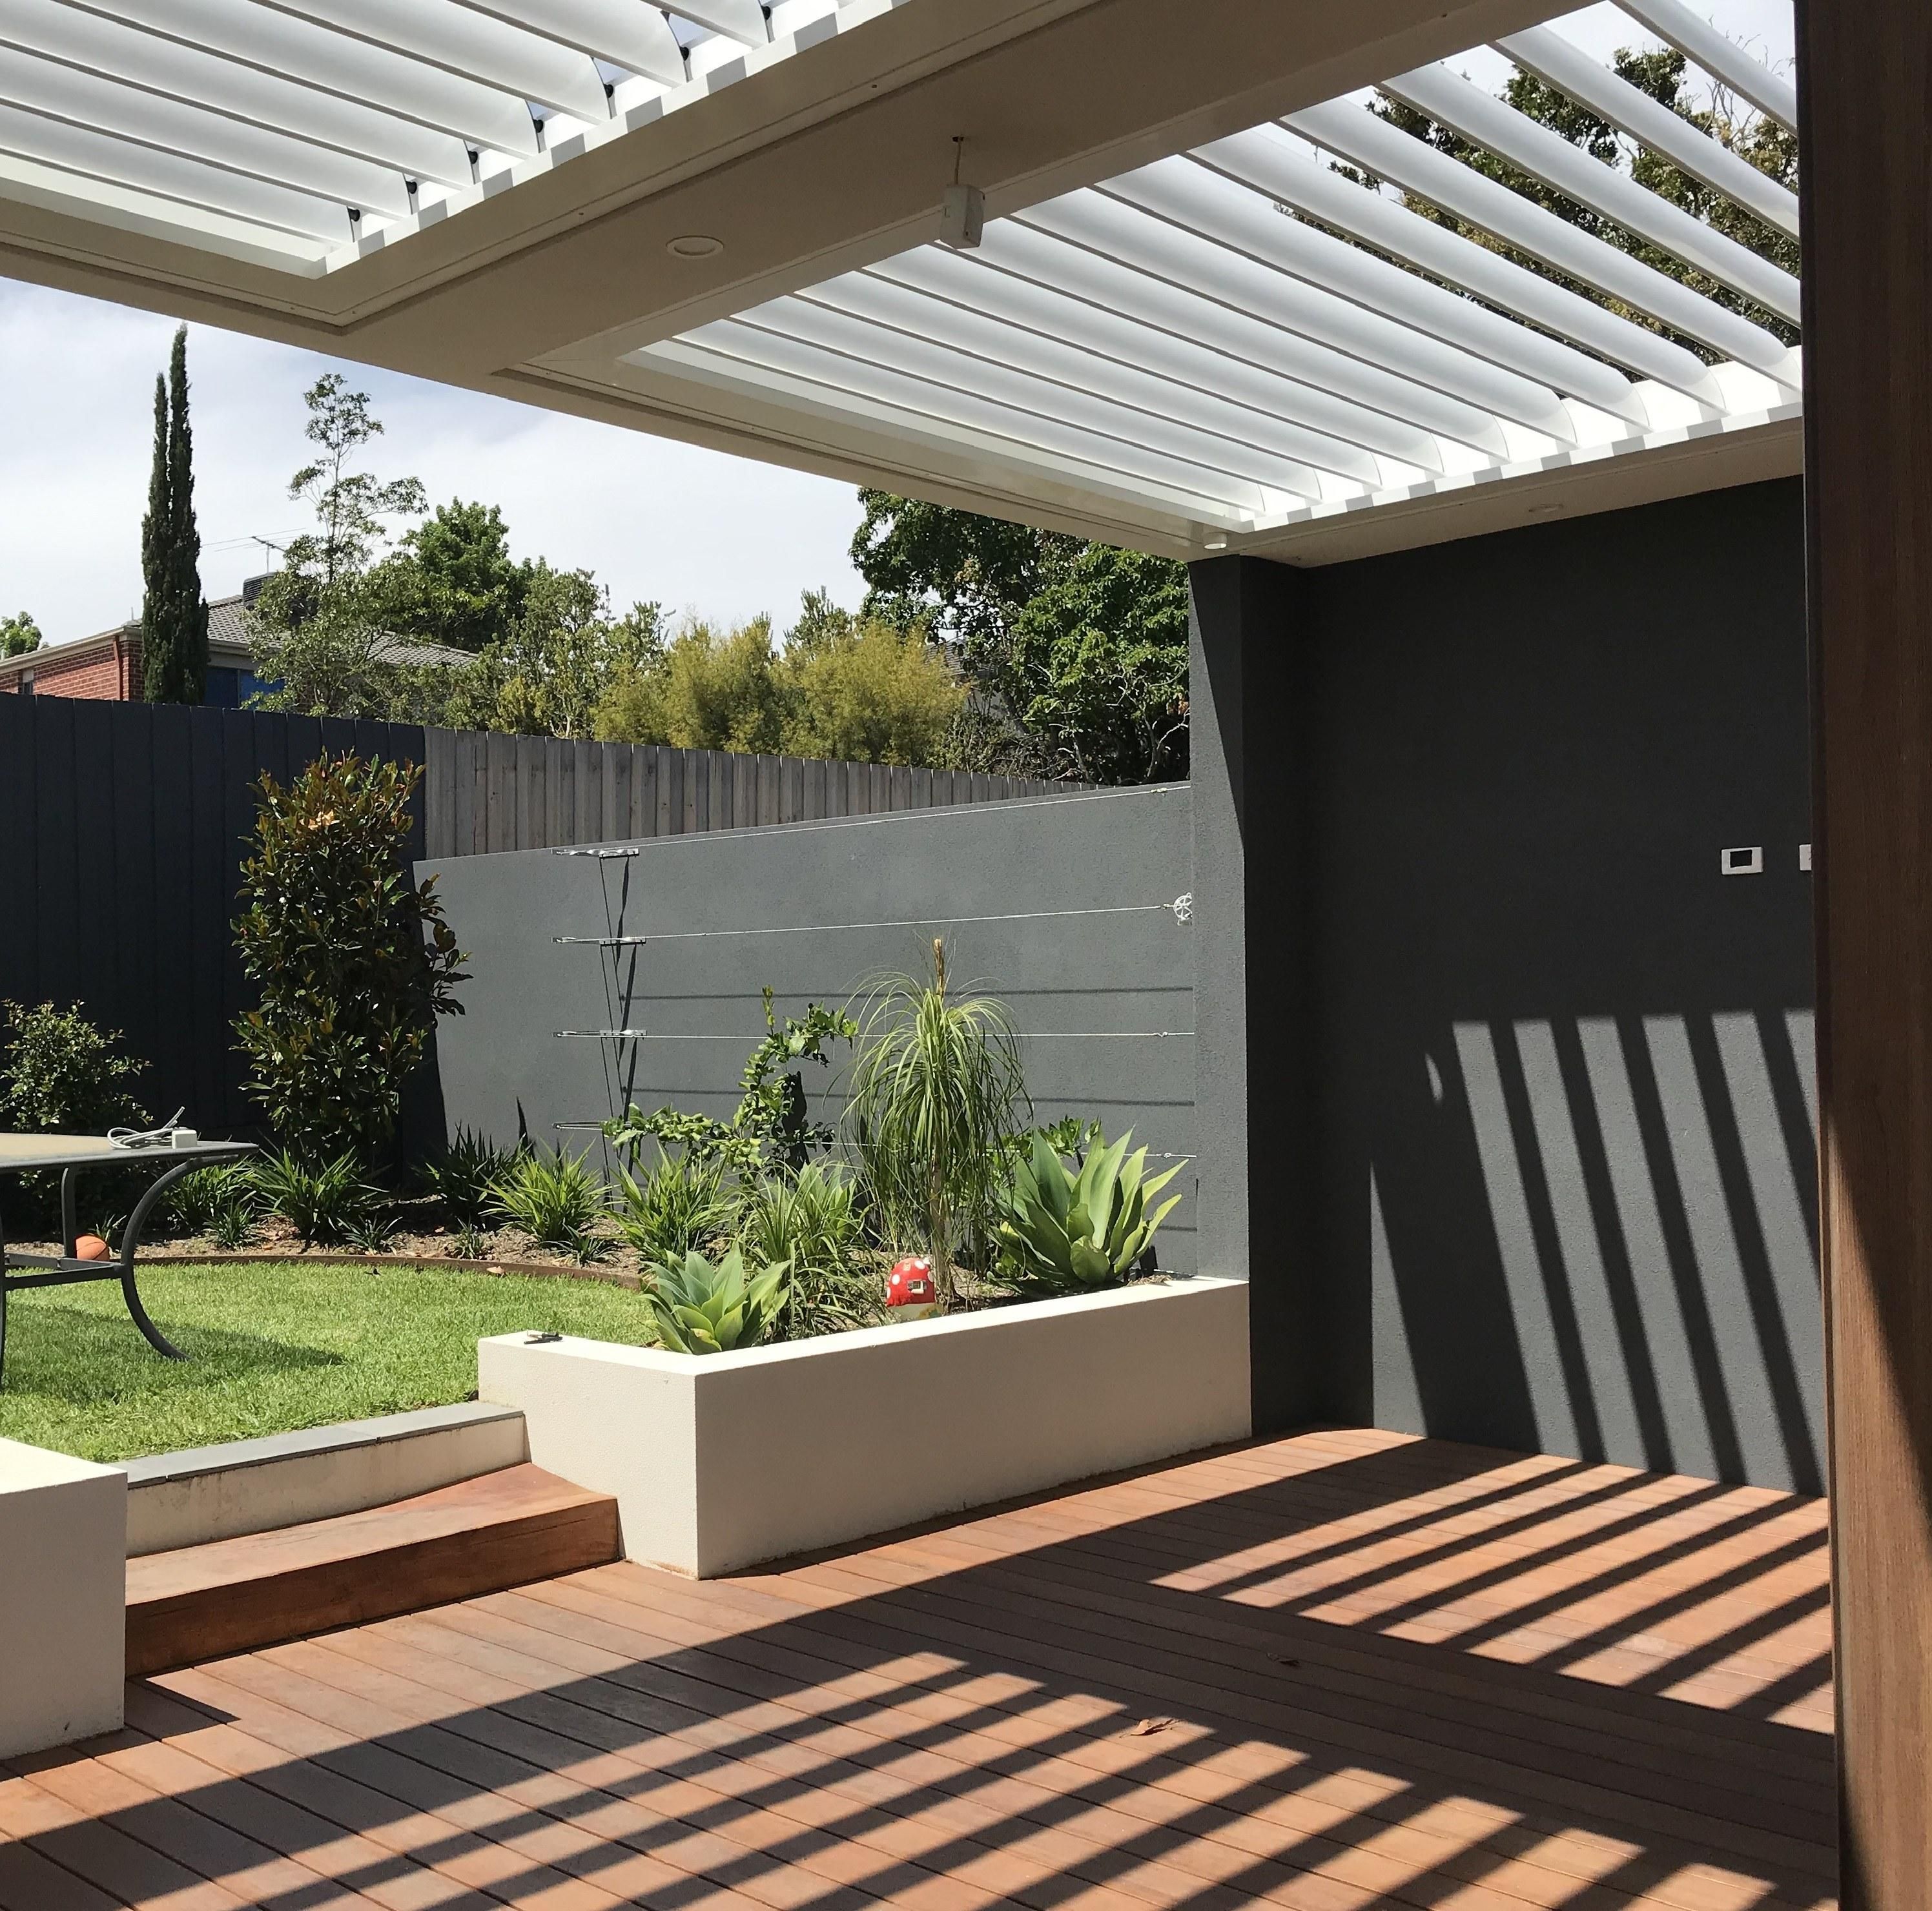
point(220, 1492)
point(721, 1462)
point(63, 1598)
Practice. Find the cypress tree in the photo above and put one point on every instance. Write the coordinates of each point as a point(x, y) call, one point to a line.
point(174, 617)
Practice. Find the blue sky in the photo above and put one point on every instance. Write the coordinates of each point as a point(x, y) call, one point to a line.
point(699, 532)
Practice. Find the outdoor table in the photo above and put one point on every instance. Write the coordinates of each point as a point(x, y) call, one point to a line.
point(21, 1154)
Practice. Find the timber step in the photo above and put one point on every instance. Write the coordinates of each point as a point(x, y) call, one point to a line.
point(506, 1528)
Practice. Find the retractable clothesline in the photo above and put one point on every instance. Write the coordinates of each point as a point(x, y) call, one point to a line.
point(1181, 909)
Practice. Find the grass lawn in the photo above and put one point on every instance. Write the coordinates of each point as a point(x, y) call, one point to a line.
point(272, 1348)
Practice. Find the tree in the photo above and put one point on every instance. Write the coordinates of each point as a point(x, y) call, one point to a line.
point(174, 617)
point(1074, 655)
point(551, 674)
point(709, 689)
point(18, 634)
point(350, 506)
point(453, 581)
point(866, 690)
point(317, 627)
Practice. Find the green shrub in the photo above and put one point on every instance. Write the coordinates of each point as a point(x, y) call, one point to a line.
point(354, 964)
point(680, 1204)
point(464, 1177)
point(934, 1093)
point(700, 1308)
point(326, 1204)
point(1085, 1226)
point(556, 1200)
point(812, 1220)
point(218, 1201)
point(59, 1074)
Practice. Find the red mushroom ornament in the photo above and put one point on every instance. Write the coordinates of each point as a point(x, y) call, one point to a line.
point(911, 1292)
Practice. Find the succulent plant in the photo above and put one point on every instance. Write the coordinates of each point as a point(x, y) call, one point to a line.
point(1084, 1226)
point(701, 1308)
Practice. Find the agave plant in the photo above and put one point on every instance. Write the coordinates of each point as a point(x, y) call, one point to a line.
point(704, 1309)
point(1087, 1226)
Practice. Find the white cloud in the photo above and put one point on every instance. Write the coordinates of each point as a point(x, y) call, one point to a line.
point(695, 529)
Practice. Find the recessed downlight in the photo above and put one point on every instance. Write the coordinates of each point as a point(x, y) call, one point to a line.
point(695, 245)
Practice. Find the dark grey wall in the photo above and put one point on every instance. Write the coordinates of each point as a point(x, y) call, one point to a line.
point(1098, 956)
point(1559, 1081)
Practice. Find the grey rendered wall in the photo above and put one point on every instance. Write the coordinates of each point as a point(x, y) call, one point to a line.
point(1560, 1086)
point(1096, 968)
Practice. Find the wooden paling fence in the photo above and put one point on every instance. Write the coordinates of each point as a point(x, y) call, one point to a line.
point(486, 793)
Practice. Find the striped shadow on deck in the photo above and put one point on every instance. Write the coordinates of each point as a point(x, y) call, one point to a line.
point(1339, 1673)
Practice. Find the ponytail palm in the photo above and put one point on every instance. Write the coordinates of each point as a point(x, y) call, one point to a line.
point(937, 1086)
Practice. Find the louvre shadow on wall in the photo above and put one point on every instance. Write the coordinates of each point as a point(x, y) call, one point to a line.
point(1560, 1085)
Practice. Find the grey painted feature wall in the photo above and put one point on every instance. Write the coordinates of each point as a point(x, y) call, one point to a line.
point(1559, 1088)
point(1106, 997)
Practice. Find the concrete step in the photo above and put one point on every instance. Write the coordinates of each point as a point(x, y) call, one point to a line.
point(505, 1529)
point(204, 1493)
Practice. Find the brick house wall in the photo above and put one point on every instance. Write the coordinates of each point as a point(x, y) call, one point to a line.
point(107, 672)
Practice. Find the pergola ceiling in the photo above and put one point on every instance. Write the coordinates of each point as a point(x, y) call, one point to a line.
point(309, 131)
point(1184, 329)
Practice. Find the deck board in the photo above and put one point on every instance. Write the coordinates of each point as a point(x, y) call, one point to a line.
point(1345, 1672)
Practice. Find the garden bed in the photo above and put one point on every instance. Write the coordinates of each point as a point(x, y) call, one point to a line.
point(723, 1461)
point(273, 1347)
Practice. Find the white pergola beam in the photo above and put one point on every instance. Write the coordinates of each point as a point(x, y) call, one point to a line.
point(962, 281)
point(1038, 259)
point(1554, 60)
point(1723, 59)
point(627, 33)
point(1178, 406)
point(1272, 162)
point(470, 45)
point(114, 50)
point(273, 41)
point(1486, 122)
point(741, 20)
point(1358, 135)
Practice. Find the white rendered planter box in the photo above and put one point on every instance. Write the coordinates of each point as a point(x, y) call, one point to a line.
point(63, 1598)
point(721, 1462)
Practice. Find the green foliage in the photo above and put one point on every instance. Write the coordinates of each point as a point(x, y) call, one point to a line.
point(220, 1201)
point(351, 507)
point(935, 1089)
point(772, 1122)
point(59, 1074)
point(324, 1203)
point(866, 690)
point(1074, 655)
point(18, 634)
point(811, 1220)
point(174, 617)
point(556, 1200)
point(703, 1308)
point(464, 1176)
point(452, 580)
point(327, 655)
point(354, 964)
point(552, 671)
point(1084, 1226)
point(1661, 73)
point(708, 689)
point(679, 1205)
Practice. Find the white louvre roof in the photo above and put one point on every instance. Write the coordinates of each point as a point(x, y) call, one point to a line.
point(1239, 341)
point(311, 132)
point(1185, 329)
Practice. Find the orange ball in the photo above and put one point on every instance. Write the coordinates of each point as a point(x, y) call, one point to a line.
point(90, 1247)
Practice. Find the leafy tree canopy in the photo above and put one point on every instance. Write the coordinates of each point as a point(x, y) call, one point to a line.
point(19, 633)
point(453, 581)
point(1074, 655)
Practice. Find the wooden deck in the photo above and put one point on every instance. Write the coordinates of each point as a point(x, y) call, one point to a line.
point(1336, 1672)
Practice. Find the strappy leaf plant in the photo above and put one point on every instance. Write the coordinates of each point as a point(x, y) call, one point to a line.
point(1085, 1226)
point(936, 1088)
point(703, 1308)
